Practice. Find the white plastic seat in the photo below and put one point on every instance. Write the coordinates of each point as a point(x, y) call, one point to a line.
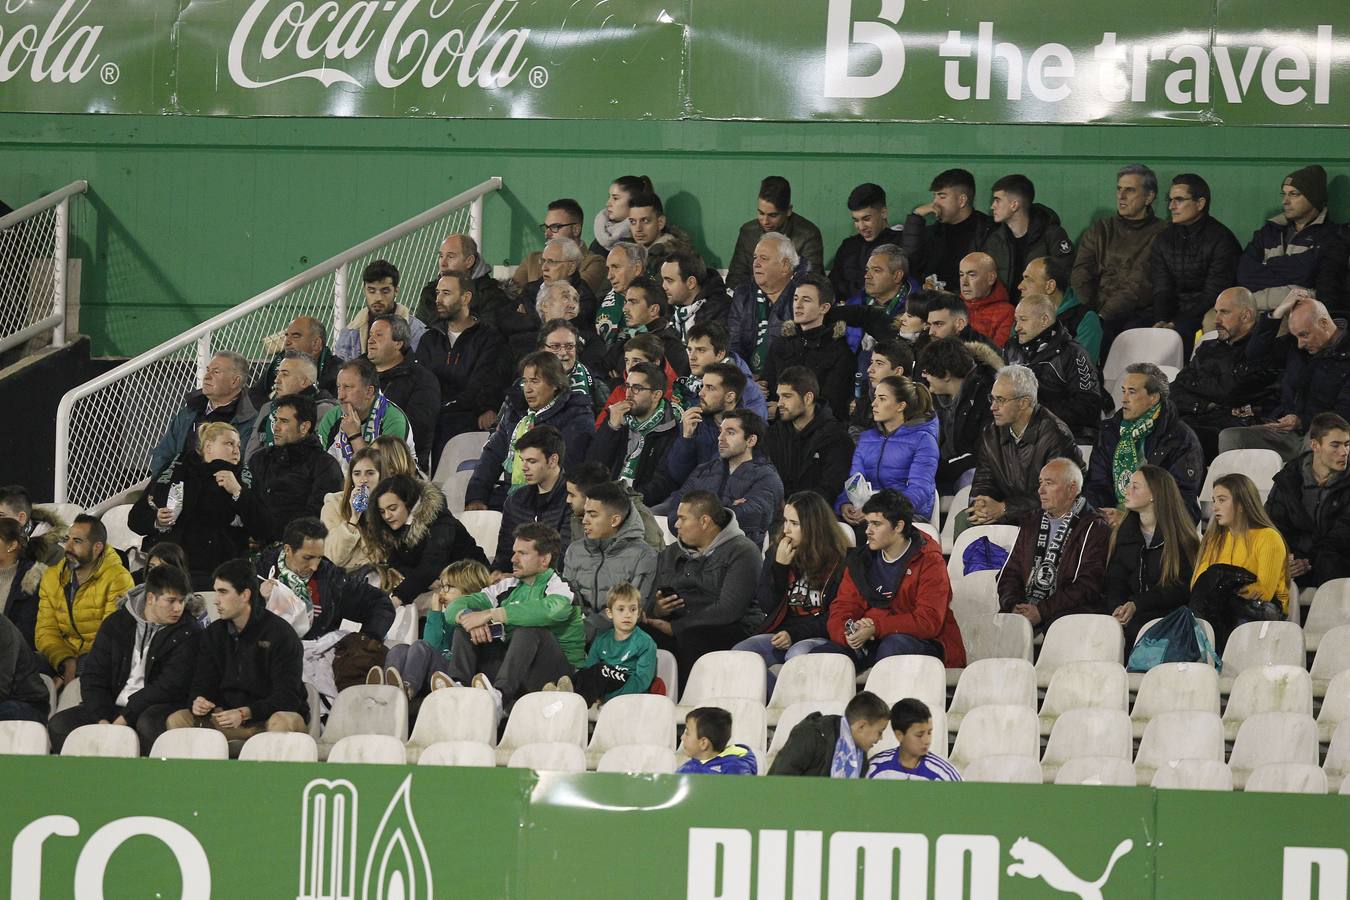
point(1273, 737)
point(369, 748)
point(927, 528)
point(1337, 763)
point(280, 746)
point(637, 759)
point(1333, 657)
point(1084, 685)
point(404, 628)
point(1085, 453)
point(1004, 536)
point(315, 703)
point(992, 681)
point(723, 674)
point(1136, 679)
point(1261, 466)
point(454, 714)
point(1287, 778)
point(1097, 770)
point(975, 596)
point(1004, 769)
point(958, 505)
point(1335, 706)
point(749, 724)
point(549, 757)
point(484, 526)
point(996, 730)
point(791, 717)
point(1267, 689)
point(366, 709)
point(458, 753)
point(1261, 644)
point(1330, 608)
point(120, 535)
point(191, 743)
point(812, 677)
point(1160, 346)
point(102, 740)
point(71, 696)
point(50, 684)
point(1000, 636)
point(1087, 732)
point(545, 718)
point(920, 677)
point(664, 524)
point(850, 536)
point(24, 739)
point(1076, 638)
point(459, 449)
point(455, 486)
point(1194, 775)
point(1184, 734)
point(1175, 687)
point(628, 719)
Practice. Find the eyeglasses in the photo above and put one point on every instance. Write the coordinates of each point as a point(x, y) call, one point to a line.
point(544, 260)
point(547, 228)
point(632, 388)
point(1177, 201)
point(558, 348)
point(996, 400)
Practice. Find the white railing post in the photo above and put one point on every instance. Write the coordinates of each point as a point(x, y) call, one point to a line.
point(339, 302)
point(476, 223)
point(59, 286)
point(203, 357)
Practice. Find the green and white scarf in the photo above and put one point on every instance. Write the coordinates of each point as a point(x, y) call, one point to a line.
point(299, 586)
point(1130, 450)
point(637, 440)
point(683, 315)
point(610, 315)
point(580, 380)
point(512, 464)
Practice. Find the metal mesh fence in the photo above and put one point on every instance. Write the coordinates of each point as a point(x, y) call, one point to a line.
point(113, 430)
point(27, 272)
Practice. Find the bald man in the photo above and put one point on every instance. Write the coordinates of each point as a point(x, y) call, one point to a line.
point(459, 254)
point(991, 312)
point(306, 335)
point(1069, 383)
point(1316, 379)
point(1226, 384)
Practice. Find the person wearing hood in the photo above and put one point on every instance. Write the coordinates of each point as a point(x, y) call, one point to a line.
point(741, 476)
point(248, 671)
point(1049, 275)
point(901, 452)
point(414, 534)
point(43, 530)
point(986, 298)
point(960, 378)
point(20, 577)
point(380, 280)
point(205, 503)
point(1023, 230)
point(140, 668)
point(707, 743)
point(459, 254)
point(222, 398)
point(1310, 504)
point(564, 219)
point(1070, 385)
point(543, 496)
point(549, 400)
point(1291, 250)
point(644, 312)
point(809, 447)
point(1111, 273)
point(704, 583)
point(872, 229)
point(612, 552)
point(810, 340)
point(759, 308)
point(76, 595)
point(1193, 259)
point(305, 337)
point(696, 293)
point(292, 477)
point(638, 432)
point(405, 382)
point(775, 214)
point(895, 597)
point(295, 375)
point(23, 695)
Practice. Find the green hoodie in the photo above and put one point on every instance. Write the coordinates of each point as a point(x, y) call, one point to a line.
point(545, 602)
point(1089, 331)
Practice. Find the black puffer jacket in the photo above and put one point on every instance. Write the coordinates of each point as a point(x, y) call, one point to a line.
point(1010, 472)
point(473, 374)
point(1189, 265)
point(1135, 574)
point(430, 540)
point(824, 351)
point(1171, 444)
point(527, 504)
point(961, 426)
point(1070, 386)
point(1045, 237)
point(1312, 383)
point(817, 458)
point(291, 481)
point(850, 260)
point(168, 663)
point(1224, 375)
point(342, 595)
point(415, 390)
point(1323, 540)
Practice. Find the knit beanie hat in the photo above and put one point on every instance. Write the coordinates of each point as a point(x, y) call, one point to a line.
point(1311, 182)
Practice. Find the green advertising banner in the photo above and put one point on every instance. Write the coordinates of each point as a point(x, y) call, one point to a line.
point(91, 828)
point(1059, 61)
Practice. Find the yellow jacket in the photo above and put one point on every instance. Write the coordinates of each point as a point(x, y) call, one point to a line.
point(67, 630)
point(1261, 552)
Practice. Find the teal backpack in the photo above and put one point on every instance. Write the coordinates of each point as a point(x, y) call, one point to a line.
point(1177, 637)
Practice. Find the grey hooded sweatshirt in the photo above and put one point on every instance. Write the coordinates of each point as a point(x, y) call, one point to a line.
point(594, 567)
point(717, 583)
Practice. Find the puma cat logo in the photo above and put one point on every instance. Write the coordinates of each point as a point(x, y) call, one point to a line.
point(1035, 861)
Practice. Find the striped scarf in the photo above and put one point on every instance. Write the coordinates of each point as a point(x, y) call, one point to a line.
point(1130, 450)
point(513, 465)
point(370, 429)
point(637, 440)
point(760, 355)
point(610, 315)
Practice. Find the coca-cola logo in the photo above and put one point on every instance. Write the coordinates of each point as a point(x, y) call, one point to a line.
point(62, 51)
point(275, 42)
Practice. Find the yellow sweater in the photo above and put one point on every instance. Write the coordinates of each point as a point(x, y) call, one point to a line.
point(1261, 552)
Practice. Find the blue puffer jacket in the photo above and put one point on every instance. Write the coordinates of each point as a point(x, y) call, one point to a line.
point(906, 460)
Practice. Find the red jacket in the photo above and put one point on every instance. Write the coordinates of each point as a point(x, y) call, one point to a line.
point(992, 316)
point(921, 606)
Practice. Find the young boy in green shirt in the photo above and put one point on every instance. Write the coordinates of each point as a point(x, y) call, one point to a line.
point(621, 660)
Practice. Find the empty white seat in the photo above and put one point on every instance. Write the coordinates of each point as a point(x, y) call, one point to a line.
point(1194, 775)
point(366, 709)
point(975, 596)
point(1330, 608)
point(996, 730)
point(920, 677)
point(993, 681)
point(668, 670)
point(850, 536)
point(1160, 346)
point(637, 758)
point(102, 740)
point(1333, 657)
point(1273, 737)
point(1261, 644)
point(1093, 684)
point(1107, 770)
point(458, 753)
point(1184, 734)
point(1174, 687)
point(454, 714)
point(791, 717)
point(664, 524)
point(723, 674)
point(1087, 732)
point(483, 525)
point(549, 757)
point(544, 718)
point(631, 719)
point(455, 486)
point(460, 449)
point(1267, 689)
point(1287, 778)
point(1079, 637)
point(1000, 636)
point(280, 746)
point(191, 743)
point(958, 506)
point(369, 748)
point(1335, 706)
point(812, 677)
point(1261, 466)
point(24, 739)
point(120, 535)
point(1337, 763)
point(1004, 769)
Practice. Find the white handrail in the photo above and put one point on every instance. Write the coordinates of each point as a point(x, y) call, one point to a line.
point(202, 332)
point(29, 210)
point(56, 321)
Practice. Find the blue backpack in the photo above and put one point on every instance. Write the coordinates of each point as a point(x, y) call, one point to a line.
point(1177, 637)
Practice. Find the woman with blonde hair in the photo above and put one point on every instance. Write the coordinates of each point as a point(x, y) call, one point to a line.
point(395, 457)
point(1243, 535)
point(344, 511)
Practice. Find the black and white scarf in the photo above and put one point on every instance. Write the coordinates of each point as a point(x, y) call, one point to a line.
point(1045, 564)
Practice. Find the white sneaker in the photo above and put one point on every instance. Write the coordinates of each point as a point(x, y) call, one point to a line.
point(564, 685)
point(440, 681)
point(481, 681)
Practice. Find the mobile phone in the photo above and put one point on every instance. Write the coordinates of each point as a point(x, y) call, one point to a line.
point(665, 591)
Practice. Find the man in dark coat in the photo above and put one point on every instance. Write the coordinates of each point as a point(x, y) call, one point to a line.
point(409, 385)
point(810, 448)
point(1023, 230)
point(960, 377)
point(810, 340)
point(867, 209)
point(638, 433)
point(935, 252)
point(459, 254)
point(291, 478)
point(543, 496)
point(309, 336)
point(696, 293)
point(644, 309)
point(774, 213)
point(1310, 504)
point(1290, 250)
point(1070, 385)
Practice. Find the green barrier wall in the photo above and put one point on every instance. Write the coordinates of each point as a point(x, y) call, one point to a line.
point(188, 216)
point(141, 828)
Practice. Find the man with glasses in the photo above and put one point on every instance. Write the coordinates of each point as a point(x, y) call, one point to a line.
point(564, 340)
point(638, 432)
point(1192, 260)
point(1021, 439)
point(563, 220)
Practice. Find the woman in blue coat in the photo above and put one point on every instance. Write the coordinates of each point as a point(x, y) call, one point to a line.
point(901, 451)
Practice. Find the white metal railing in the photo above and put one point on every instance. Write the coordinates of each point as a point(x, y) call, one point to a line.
point(34, 242)
point(106, 428)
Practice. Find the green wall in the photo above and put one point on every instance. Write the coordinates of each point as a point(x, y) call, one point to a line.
point(188, 216)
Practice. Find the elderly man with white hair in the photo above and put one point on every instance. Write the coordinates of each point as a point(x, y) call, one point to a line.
point(223, 398)
point(1058, 565)
point(560, 262)
point(626, 261)
point(295, 375)
point(759, 309)
point(1316, 375)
